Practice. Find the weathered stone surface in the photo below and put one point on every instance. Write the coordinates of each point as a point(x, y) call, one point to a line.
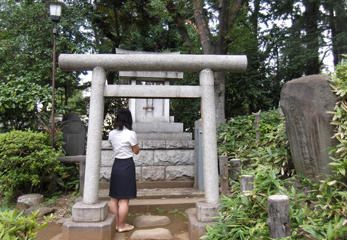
point(42, 211)
point(107, 158)
point(279, 215)
point(144, 158)
point(172, 157)
point(33, 199)
point(151, 221)
point(206, 212)
point(74, 135)
point(153, 144)
point(180, 144)
point(156, 233)
point(181, 173)
point(153, 173)
point(305, 102)
point(138, 172)
point(105, 173)
point(22, 206)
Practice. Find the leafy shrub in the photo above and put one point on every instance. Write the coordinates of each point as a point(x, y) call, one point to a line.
point(14, 225)
point(237, 139)
point(25, 159)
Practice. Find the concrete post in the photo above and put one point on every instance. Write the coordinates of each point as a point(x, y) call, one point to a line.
point(93, 154)
point(246, 185)
point(235, 169)
point(279, 215)
point(224, 174)
point(209, 137)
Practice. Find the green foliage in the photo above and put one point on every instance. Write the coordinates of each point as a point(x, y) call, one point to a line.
point(339, 85)
point(15, 226)
point(237, 139)
point(26, 54)
point(319, 210)
point(19, 99)
point(25, 159)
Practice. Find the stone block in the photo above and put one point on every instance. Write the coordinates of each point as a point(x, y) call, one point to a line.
point(105, 144)
point(180, 144)
point(138, 172)
point(164, 136)
point(153, 144)
point(205, 212)
point(153, 173)
point(107, 158)
point(103, 230)
point(196, 228)
point(105, 173)
point(181, 173)
point(151, 221)
point(33, 199)
point(144, 158)
point(154, 234)
point(173, 157)
point(158, 127)
point(89, 212)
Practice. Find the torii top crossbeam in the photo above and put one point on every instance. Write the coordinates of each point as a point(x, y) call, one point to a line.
point(153, 62)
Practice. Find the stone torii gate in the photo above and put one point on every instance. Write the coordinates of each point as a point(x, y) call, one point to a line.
point(90, 218)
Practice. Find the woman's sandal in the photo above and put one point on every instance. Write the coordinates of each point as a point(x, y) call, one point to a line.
point(121, 230)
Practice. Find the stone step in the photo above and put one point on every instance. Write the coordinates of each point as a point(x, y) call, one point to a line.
point(168, 204)
point(159, 193)
point(150, 200)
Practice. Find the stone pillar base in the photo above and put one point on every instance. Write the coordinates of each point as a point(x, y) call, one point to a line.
point(196, 228)
point(89, 212)
point(104, 230)
point(205, 212)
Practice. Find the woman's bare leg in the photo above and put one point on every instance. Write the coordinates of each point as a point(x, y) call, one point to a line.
point(113, 205)
point(122, 213)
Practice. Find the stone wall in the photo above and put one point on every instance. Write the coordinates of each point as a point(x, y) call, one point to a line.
point(158, 160)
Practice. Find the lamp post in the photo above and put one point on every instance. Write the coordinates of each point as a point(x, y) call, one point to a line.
point(55, 9)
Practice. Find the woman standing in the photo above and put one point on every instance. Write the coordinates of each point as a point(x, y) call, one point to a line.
point(123, 180)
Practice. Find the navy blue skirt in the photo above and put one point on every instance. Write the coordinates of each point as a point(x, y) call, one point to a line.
point(123, 179)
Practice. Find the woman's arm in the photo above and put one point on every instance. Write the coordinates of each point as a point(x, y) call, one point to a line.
point(136, 149)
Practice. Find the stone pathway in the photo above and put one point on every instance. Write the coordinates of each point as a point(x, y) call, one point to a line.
point(155, 229)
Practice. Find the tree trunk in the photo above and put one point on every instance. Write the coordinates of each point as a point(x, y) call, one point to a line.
point(312, 36)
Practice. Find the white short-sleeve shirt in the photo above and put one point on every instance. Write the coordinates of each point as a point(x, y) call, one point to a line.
point(122, 142)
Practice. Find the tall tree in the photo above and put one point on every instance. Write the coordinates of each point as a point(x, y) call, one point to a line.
point(26, 56)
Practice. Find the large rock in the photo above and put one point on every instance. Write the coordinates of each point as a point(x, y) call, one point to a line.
point(305, 103)
point(32, 199)
point(42, 211)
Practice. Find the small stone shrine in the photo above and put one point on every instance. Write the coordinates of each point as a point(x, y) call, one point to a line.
point(167, 153)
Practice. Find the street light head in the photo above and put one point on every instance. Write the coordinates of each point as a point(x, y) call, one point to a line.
point(55, 10)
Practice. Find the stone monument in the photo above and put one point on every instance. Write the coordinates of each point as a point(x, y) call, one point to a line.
point(74, 135)
point(305, 103)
